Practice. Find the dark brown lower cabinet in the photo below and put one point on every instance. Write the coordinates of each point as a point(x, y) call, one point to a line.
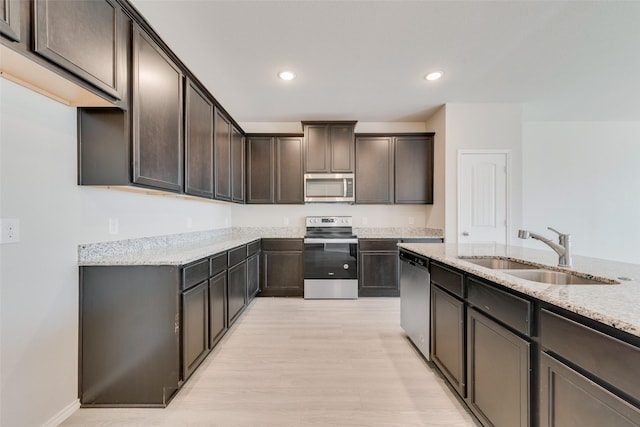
point(498, 373)
point(567, 398)
point(195, 327)
point(253, 276)
point(217, 307)
point(448, 337)
point(378, 268)
point(237, 291)
point(129, 335)
point(282, 267)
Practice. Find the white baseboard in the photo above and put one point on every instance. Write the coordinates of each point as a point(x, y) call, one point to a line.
point(65, 413)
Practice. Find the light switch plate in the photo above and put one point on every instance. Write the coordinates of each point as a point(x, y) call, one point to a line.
point(10, 230)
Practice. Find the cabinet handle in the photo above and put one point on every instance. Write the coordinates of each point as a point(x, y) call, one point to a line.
point(465, 233)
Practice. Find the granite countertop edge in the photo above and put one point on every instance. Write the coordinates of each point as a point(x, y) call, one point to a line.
point(613, 305)
point(182, 249)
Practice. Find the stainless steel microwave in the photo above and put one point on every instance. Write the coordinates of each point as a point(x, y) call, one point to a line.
point(329, 187)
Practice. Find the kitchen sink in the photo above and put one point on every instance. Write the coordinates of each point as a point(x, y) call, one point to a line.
point(558, 277)
point(498, 263)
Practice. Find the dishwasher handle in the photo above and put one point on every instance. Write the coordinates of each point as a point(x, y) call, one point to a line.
point(413, 260)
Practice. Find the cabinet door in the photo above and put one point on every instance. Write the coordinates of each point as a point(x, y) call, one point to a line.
point(498, 369)
point(282, 273)
point(217, 307)
point(157, 116)
point(567, 398)
point(195, 323)
point(378, 274)
point(289, 170)
point(10, 19)
point(447, 337)
point(342, 148)
point(414, 170)
point(198, 142)
point(237, 291)
point(316, 148)
point(237, 165)
point(253, 276)
point(374, 170)
point(82, 37)
point(222, 147)
point(260, 173)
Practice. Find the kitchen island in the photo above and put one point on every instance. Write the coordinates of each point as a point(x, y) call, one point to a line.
point(523, 353)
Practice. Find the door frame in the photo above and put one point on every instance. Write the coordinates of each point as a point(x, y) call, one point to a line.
point(507, 154)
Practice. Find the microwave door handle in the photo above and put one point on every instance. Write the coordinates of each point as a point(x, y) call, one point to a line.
point(344, 187)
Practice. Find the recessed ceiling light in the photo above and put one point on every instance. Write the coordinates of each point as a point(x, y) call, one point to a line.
point(434, 75)
point(287, 75)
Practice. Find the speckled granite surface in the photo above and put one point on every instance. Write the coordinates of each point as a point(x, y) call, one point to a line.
point(180, 249)
point(397, 232)
point(617, 305)
point(176, 249)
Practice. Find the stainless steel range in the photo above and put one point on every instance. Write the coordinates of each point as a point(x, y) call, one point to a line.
point(330, 258)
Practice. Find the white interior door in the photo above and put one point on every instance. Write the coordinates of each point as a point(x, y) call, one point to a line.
point(483, 180)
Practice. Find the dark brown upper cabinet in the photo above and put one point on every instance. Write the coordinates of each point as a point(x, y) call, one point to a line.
point(274, 169)
point(157, 116)
point(374, 169)
point(329, 147)
point(414, 169)
point(85, 38)
point(394, 169)
point(10, 19)
point(289, 152)
point(198, 142)
point(260, 169)
point(222, 155)
point(237, 165)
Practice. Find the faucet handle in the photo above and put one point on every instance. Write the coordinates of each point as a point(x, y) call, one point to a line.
point(557, 232)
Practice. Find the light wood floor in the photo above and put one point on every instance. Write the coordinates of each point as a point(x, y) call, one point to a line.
point(295, 362)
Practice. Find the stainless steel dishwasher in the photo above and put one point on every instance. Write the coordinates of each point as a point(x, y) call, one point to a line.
point(415, 299)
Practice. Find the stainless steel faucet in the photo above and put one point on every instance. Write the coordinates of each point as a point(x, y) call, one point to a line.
point(563, 249)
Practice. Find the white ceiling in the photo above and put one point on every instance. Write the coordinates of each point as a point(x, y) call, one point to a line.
point(366, 60)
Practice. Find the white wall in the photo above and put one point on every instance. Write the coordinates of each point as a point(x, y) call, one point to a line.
point(583, 178)
point(38, 275)
point(482, 126)
point(436, 213)
point(294, 215)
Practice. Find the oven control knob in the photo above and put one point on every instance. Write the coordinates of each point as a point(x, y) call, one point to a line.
point(346, 266)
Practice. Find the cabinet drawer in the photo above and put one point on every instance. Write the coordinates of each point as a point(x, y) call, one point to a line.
point(195, 273)
point(282, 245)
point(253, 248)
point(608, 358)
point(378, 245)
point(448, 279)
point(511, 310)
point(237, 255)
point(218, 263)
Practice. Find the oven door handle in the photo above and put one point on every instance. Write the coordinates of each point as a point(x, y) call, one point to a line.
point(320, 240)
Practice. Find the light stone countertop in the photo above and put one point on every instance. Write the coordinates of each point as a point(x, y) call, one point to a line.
point(397, 232)
point(181, 249)
point(616, 305)
point(176, 249)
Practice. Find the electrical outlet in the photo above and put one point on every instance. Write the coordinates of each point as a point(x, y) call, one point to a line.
point(189, 222)
point(412, 220)
point(114, 225)
point(286, 220)
point(10, 230)
point(364, 220)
